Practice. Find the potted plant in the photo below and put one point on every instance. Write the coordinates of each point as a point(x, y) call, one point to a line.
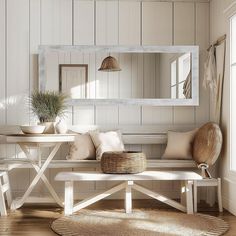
point(47, 106)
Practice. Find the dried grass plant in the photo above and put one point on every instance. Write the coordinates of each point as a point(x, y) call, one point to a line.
point(49, 105)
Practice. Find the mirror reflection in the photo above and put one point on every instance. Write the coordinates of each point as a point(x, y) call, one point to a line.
point(102, 75)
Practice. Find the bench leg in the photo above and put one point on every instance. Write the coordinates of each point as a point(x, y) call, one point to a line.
point(3, 211)
point(189, 196)
point(8, 191)
point(128, 196)
point(195, 195)
point(219, 195)
point(69, 198)
point(183, 193)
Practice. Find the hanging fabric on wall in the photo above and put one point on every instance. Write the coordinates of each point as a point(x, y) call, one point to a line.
point(220, 69)
point(187, 87)
point(210, 70)
point(214, 75)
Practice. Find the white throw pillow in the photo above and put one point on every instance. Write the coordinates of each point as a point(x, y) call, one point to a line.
point(82, 148)
point(179, 145)
point(107, 141)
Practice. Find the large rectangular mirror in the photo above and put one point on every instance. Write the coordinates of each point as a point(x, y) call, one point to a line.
point(147, 75)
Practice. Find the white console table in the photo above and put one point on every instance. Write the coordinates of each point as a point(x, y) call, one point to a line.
point(39, 141)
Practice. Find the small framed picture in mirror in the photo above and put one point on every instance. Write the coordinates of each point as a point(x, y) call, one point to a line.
point(73, 79)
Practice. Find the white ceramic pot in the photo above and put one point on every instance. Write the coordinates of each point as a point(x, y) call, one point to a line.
point(61, 127)
point(49, 127)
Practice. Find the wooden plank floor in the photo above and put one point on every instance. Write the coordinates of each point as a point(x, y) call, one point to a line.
point(35, 220)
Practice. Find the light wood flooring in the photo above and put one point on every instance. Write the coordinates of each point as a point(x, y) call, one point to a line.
point(35, 220)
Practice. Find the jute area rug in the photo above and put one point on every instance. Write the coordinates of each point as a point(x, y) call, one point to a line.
point(139, 223)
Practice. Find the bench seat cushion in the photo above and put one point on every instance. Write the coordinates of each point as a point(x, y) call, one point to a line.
point(82, 149)
point(107, 142)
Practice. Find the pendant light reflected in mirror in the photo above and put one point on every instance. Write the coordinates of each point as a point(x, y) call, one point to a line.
point(110, 64)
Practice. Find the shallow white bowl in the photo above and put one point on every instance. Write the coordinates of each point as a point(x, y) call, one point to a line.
point(32, 129)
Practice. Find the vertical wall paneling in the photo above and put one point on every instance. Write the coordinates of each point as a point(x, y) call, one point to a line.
point(129, 115)
point(157, 115)
point(184, 115)
point(106, 115)
point(137, 75)
point(125, 75)
point(202, 25)
point(17, 66)
point(158, 76)
point(113, 81)
point(34, 42)
point(101, 77)
point(106, 22)
point(150, 77)
point(83, 115)
point(35, 8)
point(17, 51)
point(65, 58)
point(89, 59)
point(157, 23)
point(19, 179)
point(202, 39)
point(56, 22)
point(184, 34)
point(52, 71)
point(83, 22)
point(203, 111)
point(151, 151)
point(184, 23)
point(129, 22)
point(2, 71)
point(2, 62)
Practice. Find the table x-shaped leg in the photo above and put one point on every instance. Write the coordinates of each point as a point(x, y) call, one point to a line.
point(40, 175)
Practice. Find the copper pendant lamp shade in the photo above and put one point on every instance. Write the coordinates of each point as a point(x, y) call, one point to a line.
point(110, 64)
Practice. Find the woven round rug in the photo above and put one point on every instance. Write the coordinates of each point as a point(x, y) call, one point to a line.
point(139, 223)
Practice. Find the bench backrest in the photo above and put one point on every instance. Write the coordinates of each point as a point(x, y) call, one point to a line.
point(135, 137)
point(139, 137)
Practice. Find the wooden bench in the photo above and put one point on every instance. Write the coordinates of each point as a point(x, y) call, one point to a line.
point(128, 184)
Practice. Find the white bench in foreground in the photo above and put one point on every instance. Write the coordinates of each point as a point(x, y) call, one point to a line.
point(187, 177)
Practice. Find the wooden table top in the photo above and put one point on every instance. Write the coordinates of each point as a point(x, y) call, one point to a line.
point(146, 175)
point(39, 138)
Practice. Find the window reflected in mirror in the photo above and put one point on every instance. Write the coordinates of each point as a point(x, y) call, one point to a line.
point(180, 67)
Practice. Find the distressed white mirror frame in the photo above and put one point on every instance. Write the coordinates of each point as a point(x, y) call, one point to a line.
point(194, 50)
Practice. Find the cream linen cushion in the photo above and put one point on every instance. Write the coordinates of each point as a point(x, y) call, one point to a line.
point(82, 149)
point(107, 141)
point(179, 145)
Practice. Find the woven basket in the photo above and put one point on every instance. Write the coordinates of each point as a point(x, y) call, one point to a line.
point(123, 162)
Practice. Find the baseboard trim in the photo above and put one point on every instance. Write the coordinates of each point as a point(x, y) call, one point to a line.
point(228, 186)
point(229, 205)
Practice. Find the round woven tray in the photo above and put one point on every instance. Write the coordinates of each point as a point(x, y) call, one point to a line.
point(207, 144)
point(123, 162)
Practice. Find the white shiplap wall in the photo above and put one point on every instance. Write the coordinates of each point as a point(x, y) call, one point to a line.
point(26, 24)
